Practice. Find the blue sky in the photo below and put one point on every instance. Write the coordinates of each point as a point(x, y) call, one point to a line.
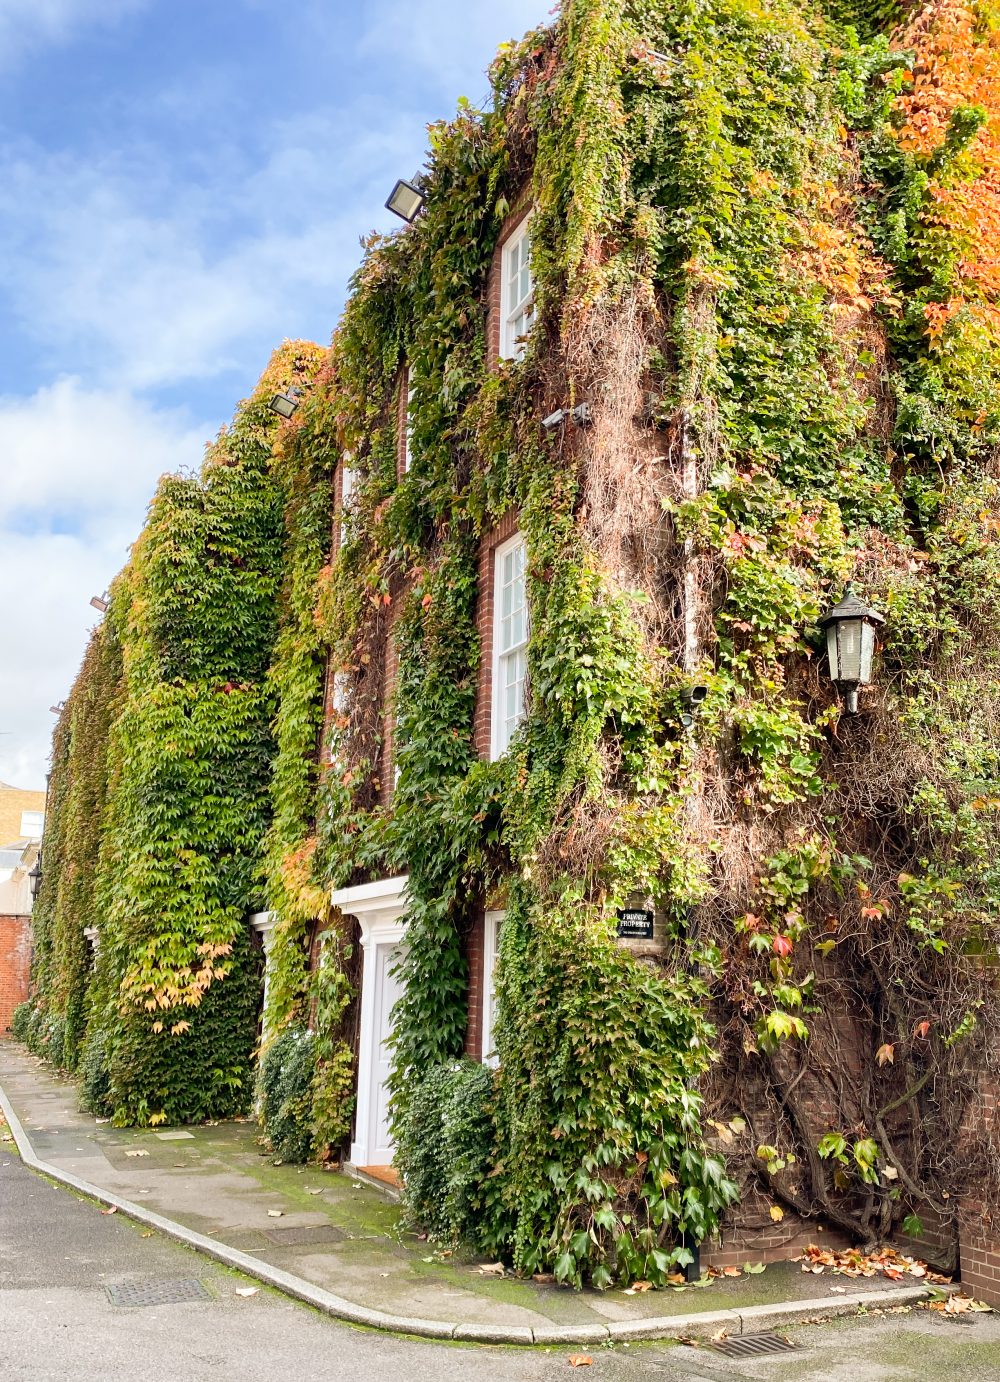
point(182, 186)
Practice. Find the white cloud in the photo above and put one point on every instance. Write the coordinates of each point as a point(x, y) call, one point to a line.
point(77, 468)
point(455, 40)
point(138, 267)
point(27, 24)
point(142, 265)
point(150, 281)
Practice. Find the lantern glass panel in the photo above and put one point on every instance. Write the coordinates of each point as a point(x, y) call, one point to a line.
point(847, 666)
point(867, 650)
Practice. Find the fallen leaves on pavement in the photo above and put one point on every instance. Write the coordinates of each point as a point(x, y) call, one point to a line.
point(580, 1360)
point(887, 1262)
point(956, 1305)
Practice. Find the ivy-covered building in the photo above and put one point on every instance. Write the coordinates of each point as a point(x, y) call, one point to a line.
point(509, 639)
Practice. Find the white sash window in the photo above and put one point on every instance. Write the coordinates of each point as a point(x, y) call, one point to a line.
point(510, 642)
point(517, 293)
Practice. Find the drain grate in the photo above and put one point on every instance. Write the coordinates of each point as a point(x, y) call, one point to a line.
point(157, 1292)
point(752, 1345)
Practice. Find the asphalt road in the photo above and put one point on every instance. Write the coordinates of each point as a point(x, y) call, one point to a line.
point(59, 1253)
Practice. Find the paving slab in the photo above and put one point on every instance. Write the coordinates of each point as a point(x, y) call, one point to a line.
point(341, 1244)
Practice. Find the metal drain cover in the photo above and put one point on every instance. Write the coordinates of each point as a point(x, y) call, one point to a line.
point(302, 1237)
point(753, 1345)
point(157, 1292)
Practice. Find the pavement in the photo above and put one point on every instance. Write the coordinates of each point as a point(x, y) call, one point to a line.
point(338, 1244)
point(60, 1254)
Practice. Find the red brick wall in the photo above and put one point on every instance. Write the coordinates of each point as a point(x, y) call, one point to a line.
point(387, 767)
point(938, 1242)
point(475, 954)
point(15, 966)
point(494, 307)
point(482, 730)
point(401, 421)
point(978, 1224)
point(750, 1235)
point(979, 1250)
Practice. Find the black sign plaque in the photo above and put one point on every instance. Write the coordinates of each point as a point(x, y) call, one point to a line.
point(635, 924)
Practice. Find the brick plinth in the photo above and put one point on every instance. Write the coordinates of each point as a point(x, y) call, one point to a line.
point(15, 966)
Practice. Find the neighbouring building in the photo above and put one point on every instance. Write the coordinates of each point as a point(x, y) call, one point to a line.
point(22, 814)
point(16, 862)
point(473, 729)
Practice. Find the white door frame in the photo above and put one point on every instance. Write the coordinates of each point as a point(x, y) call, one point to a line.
point(379, 909)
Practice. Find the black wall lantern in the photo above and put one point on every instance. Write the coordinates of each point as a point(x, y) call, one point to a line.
point(850, 644)
point(35, 877)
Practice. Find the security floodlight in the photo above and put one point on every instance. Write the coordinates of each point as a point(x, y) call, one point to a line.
point(284, 404)
point(850, 642)
point(580, 414)
point(100, 602)
point(405, 201)
point(694, 695)
point(57, 709)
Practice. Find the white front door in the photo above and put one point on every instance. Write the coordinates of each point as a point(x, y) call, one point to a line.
point(379, 908)
point(388, 989)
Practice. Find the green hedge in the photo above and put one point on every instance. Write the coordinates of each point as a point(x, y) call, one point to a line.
point(444, 1142)
point(285, 1092)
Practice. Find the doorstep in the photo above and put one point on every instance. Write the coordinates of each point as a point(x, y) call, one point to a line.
point(384, 1178)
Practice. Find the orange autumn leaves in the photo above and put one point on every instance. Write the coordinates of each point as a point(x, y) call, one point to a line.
point(956, 65)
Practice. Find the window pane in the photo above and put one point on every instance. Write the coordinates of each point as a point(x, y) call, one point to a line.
point(511, 637)
point(513, 273)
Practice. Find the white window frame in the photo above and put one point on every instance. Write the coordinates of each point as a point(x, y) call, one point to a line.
point(491, 949)
point(499, 735)
point(35, 821)
point(511, 342)
point(408, 423)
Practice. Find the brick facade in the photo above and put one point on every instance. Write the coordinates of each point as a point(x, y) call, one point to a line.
point(15, 966)
point(402, 420)
point(978, 1223)
point(748, 1234)
point(475, 954)
point(387, 763)
point(494, 305)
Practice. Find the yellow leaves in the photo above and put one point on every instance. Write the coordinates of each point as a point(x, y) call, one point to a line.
point(180, 1027)
point(886, 1055)
point(777, 1213)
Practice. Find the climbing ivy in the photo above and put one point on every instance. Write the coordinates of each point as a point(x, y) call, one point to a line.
point(763, 244)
